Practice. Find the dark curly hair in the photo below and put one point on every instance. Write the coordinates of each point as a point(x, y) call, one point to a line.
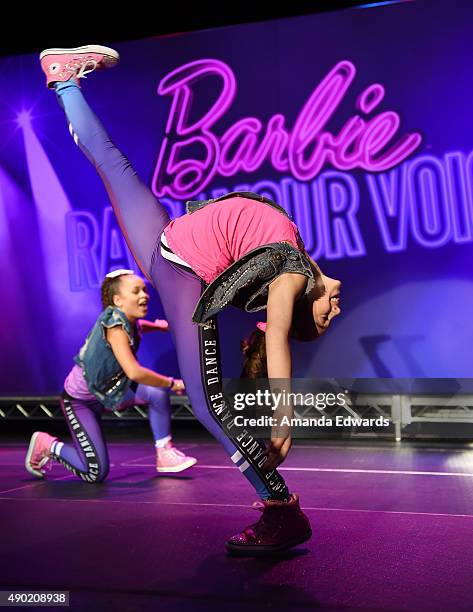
point(110, 287)
point(254, 355)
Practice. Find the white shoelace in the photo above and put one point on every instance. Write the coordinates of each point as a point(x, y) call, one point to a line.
point(82, 70)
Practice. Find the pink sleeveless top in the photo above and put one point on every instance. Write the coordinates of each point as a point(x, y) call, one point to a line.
point(212, 238)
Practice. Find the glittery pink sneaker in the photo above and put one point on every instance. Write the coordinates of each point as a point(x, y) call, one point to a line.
point(169, 459)
point(281, 526)
point(38, 454)
point(75, 63)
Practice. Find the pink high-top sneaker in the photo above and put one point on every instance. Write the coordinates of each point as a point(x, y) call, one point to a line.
point(281, 526)
point(38, 454)
point(171, 460)
point(75, 63)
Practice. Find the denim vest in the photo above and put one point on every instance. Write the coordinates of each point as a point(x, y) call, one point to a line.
point(104, 375)
point(245, 284)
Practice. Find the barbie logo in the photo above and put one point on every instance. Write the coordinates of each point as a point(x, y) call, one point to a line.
point(194, 152)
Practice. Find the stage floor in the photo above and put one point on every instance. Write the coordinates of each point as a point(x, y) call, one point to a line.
point(393, 530)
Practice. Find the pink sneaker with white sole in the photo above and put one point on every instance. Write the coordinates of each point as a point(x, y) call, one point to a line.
point(75, 63)
point(171, 460)
point(38, 454)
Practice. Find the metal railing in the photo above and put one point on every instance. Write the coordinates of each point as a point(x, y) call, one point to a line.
point(400, 409)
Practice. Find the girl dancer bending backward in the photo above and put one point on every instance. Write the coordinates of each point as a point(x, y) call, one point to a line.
point(241, 249)
point(108, 376)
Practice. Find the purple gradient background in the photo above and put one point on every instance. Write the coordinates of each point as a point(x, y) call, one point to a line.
point(405, 314)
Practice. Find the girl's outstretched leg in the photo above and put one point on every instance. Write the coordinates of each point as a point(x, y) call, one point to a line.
point(140, 215)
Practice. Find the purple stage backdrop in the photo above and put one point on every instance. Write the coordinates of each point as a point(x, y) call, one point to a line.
point(358, 122)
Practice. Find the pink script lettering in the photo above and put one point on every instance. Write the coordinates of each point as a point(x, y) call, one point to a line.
point(192, 154)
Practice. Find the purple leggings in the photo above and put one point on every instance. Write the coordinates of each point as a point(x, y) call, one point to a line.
point(87, 457)
point(142, 219)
